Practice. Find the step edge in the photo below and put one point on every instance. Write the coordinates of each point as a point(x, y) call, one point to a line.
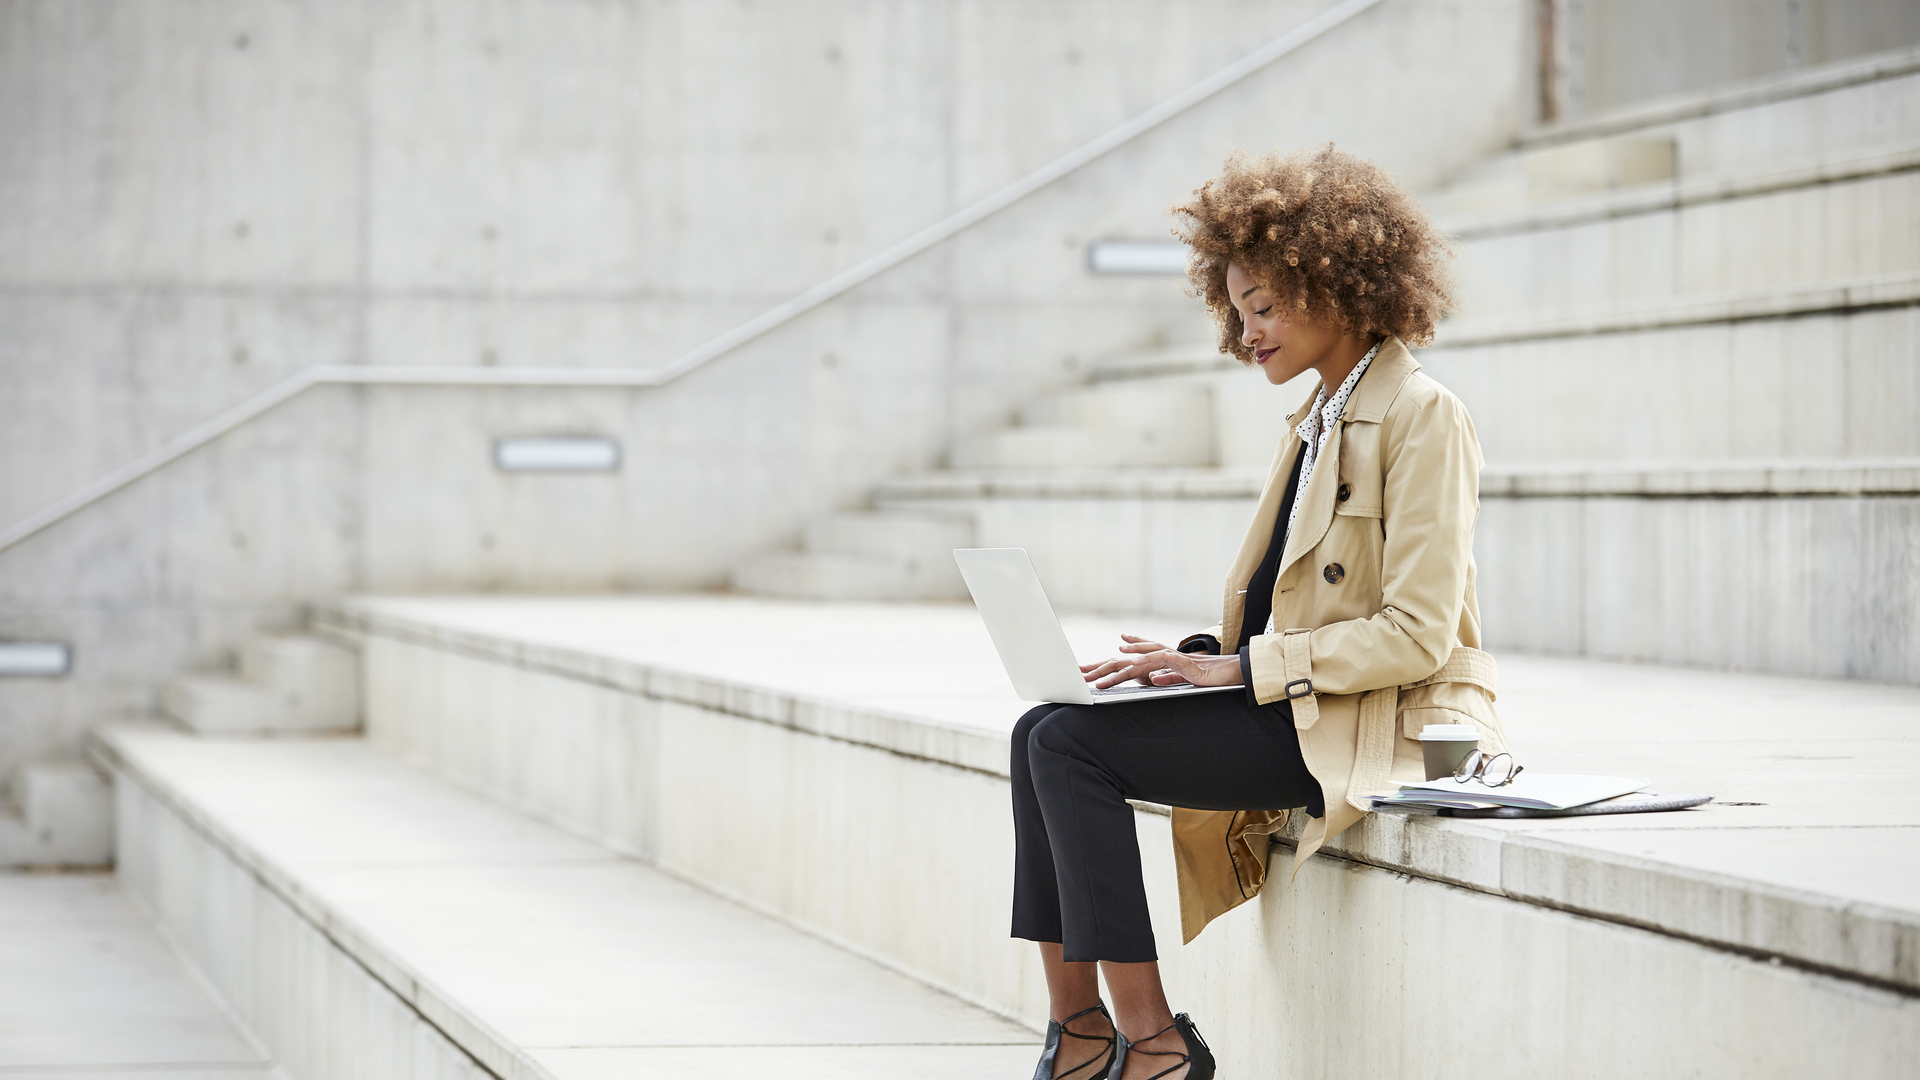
point(1673, 195)
point(1688, 478)
point(1733, 97)
point(980, 751)
point(435, 1006)
point(1838, 911)
point(1747, 305)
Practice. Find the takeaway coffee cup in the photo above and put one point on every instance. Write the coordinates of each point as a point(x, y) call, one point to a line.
point(1446, 746)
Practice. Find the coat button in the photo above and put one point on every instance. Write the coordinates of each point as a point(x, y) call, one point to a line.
point(1346, 492)
point(1333, 573)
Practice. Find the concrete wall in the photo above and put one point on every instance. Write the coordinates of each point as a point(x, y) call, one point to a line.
point(206, 197)
point(1607, 53)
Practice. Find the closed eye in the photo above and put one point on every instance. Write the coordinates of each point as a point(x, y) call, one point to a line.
point(1263, 311)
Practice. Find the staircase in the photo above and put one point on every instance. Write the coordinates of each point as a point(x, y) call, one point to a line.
point(288, 684)
point(571, 824)
point(506, 870)
point(1175, 419)
point(284, 684)
point(872, 555)
point(1697, 393)
point(1688, 338)
point(902, 548)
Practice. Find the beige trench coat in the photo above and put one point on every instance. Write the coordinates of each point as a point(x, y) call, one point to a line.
point(1377, 633)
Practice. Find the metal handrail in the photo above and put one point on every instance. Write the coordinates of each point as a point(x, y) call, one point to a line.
point(866, 269)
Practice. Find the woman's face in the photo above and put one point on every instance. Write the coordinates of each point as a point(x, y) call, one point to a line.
point(1282, 346)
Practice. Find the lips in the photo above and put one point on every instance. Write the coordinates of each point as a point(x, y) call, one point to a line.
point(1260, 355)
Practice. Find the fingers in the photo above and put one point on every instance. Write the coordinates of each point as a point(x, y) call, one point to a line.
point(1163, 668)
point(1122, 668)
point(1180, 668)
point(1119, 670)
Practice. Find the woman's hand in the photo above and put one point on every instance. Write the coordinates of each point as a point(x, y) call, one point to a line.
point(1156, 665)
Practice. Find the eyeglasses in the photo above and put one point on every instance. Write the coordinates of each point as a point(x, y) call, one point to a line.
point(1492, 770)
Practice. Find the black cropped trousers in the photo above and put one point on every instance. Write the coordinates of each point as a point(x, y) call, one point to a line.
point(1076, 877)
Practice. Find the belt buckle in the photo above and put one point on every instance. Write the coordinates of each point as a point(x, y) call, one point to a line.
point(1308, 683)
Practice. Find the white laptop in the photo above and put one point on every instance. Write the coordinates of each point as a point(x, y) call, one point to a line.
point(1028, 637)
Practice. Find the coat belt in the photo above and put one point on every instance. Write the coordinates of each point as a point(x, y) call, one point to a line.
point(1379, 716)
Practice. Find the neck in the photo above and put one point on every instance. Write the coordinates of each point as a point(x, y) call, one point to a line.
point(1340, 360)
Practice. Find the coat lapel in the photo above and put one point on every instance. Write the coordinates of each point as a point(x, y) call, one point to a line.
point(1316, 504)
point(1367, 404)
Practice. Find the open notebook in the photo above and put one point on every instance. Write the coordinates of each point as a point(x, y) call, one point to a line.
point(1534, 791)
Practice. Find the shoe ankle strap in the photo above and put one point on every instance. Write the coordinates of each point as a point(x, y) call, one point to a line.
point(1098, 1007)
point(1185, 1058)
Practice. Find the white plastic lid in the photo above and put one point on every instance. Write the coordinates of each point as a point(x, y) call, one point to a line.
point(1449, 733)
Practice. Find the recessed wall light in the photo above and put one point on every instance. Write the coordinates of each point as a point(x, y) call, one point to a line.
point(35, 658)
point(556, 454)
point(1137, 257)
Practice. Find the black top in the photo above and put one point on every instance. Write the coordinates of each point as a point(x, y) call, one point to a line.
point(1259, 608)
point(1260, 587)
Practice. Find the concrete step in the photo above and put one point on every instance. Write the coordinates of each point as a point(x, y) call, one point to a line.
point(62, 816)
point(315, 680)
point(819, 575)
point(367, 919)
point(1113, 423)
point(1069, 447)
point(1672, 379)
point(1858, 102)
point(212, 704)
point(285, 683)
point(1694, 189)
point(1784, 900)
point(923, 538)
point(1795, 227)
point(1756, 477)
point(907, 493)
point(1247, 415)
point(1811, 583)
point(1642, 560)
point(1783, 183)
point(1201, 354)
point(94, 992)
point(1556, 173)
point(1837, 109)
point(885, 555)
point(1823, 373)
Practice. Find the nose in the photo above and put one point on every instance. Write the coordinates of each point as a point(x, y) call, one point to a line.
point(1248, 335)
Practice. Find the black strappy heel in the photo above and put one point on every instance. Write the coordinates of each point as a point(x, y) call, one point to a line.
point(1198, 1056)
point(1057, 1028)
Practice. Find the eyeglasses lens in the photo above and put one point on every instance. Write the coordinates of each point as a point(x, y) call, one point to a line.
point(1499, 770)
point(1496, 770)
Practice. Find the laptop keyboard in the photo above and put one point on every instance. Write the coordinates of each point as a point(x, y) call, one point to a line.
point(1134, 688)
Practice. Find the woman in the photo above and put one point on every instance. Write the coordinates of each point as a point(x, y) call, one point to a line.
point(1349, 613)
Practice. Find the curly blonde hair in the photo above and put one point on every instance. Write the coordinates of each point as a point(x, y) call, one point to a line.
point(1328, 233)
